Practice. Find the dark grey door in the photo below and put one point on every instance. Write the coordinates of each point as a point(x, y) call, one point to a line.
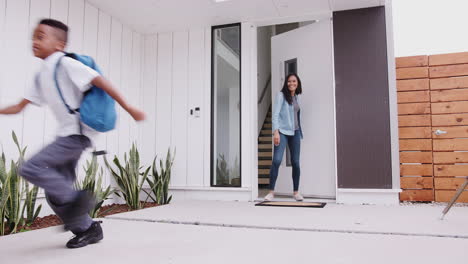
point(362, 99)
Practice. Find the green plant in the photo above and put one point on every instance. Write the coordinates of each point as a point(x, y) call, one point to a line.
point(30, 204)
point(31, 195)
point(159, 180)
point(12, 189)
point(227, 175)
point(14, 216)
point(222, 171)
point(92, 182)
point(4, 193)
point(235, 173)
point(130, 177)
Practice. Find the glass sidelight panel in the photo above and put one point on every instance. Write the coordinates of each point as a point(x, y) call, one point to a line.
point(226, 106)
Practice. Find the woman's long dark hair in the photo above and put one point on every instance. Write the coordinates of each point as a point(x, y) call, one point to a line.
point(285, 90)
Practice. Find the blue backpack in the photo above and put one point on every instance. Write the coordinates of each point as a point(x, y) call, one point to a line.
point(97, 110)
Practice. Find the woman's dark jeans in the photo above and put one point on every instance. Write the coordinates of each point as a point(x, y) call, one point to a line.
point(294, 143)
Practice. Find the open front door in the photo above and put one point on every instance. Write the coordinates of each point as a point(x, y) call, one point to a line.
point(308, 51)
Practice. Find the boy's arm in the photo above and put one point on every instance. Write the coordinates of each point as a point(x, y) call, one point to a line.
point(14, 109)
point(105, 85)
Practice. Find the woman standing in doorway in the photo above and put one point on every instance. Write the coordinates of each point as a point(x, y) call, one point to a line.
point(286, 119)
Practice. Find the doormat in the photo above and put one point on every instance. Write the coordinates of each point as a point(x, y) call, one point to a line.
point(291, 204)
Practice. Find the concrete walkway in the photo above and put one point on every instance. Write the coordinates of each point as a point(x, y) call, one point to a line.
point(235, 232)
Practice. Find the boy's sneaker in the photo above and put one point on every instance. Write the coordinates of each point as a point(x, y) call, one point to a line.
point(92, 235)
point(298, 197)
point(269, 197)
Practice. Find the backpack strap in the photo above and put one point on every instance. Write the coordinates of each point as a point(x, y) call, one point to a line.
point(37, 81)
point(70, 110)
point(58, 87)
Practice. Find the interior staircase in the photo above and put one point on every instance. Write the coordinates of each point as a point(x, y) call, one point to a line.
point(265, 154)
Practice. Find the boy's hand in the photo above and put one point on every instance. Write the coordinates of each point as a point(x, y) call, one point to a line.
point(137, 114)
point(15, 109)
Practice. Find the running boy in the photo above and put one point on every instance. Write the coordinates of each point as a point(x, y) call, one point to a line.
point(53, 168)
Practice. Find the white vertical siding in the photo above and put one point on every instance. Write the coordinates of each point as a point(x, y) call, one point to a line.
point(115, 70)
point(124, 126)
point(91, 28)
point(134, 87)
point(59, 10)
point(91, 25)
point(206, 108)
point(196, 144)
point(76, 12)
point(148, 99)
point(182, 83)
point(2, 44)
point(15, 53)
point(180, 112)
point(164, 94)
point(34, 118)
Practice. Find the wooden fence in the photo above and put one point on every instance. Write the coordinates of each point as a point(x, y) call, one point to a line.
point(433, 125)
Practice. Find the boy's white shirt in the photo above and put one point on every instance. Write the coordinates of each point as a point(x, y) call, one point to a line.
point(74, 79)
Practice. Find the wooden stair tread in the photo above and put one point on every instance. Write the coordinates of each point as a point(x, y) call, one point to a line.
point(264, 163)
point(265, 154)
point(264, 181)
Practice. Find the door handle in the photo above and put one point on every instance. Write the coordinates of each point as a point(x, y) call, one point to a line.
point(439, 132)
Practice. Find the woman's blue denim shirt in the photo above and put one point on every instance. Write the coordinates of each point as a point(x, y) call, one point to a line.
point(283, 116)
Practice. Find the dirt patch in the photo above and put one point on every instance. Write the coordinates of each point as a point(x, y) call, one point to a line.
point(53, 220)
point(120, 208)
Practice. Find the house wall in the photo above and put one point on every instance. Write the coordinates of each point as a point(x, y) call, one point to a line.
point(167, 74)
point(176, 79)
point(117, 49)
point(182, 63)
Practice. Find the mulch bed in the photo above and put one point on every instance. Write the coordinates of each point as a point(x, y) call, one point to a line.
point(53, 220)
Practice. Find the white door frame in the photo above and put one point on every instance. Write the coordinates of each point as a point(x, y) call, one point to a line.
point(253, 26)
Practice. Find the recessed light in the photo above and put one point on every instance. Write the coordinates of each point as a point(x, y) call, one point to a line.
point(219, 1)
